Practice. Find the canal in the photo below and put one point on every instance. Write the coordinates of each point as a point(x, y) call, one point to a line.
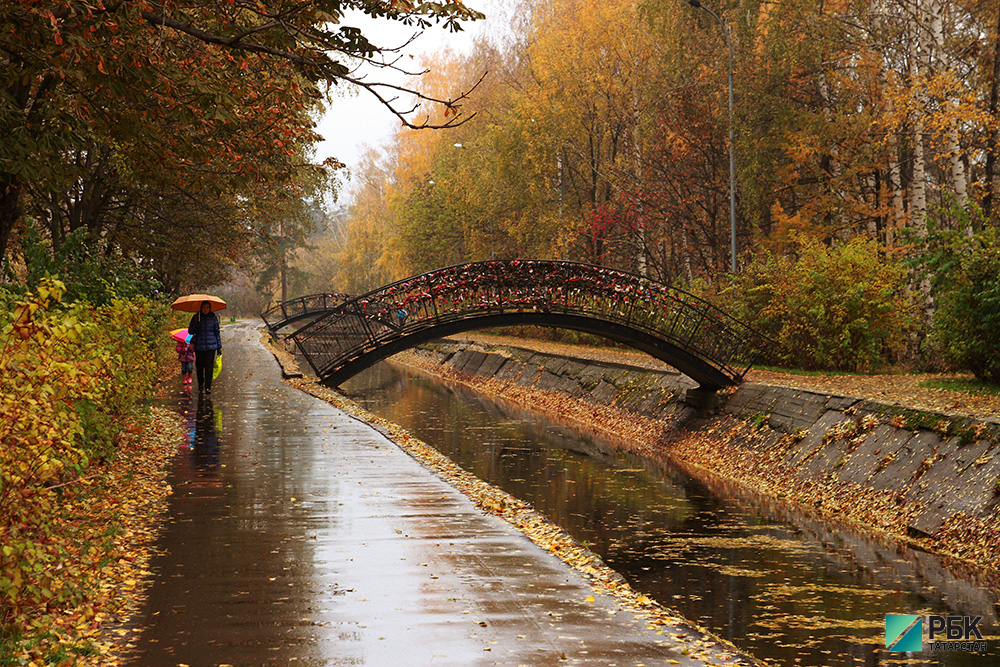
point(786, 586)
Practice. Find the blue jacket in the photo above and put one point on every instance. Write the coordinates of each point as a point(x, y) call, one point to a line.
point(205, 329)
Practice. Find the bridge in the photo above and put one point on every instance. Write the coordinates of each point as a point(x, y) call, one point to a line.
point(286, 313)
point(690, 334)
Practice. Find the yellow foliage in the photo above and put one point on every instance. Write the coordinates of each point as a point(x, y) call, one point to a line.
point(70, 373)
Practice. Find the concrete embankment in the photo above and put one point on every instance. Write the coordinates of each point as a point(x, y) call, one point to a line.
point(929, 479)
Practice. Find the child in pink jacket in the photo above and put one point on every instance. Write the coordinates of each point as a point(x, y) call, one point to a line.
point(185, 355)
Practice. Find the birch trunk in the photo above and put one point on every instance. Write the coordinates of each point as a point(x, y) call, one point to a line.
point(898, 198)
point(897, 218)
point(952, 147)
point(918, 186)
point(993, 143)
point(637, 165)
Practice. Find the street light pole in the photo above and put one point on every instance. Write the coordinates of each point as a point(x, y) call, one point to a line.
point(732, 154)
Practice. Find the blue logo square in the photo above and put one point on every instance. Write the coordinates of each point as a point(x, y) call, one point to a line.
point(904, 632)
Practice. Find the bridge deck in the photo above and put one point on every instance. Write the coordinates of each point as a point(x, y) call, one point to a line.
point(284, 313)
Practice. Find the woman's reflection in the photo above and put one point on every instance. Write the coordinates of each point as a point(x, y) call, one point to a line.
point(204, 436)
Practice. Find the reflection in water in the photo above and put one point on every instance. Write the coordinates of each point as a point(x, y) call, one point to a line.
point(787, 587)
point(203, 422)
point(205, 438)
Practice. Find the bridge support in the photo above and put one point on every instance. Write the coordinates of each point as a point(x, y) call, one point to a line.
point(705, 400)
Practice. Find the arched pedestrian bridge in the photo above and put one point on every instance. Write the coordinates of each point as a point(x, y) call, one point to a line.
point(688, 333)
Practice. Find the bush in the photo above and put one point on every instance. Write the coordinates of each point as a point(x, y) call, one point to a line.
point(840, 308)
point(87, 274)
point(966, 324)
point(70, 375)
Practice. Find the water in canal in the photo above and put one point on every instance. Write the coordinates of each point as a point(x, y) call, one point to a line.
point(790, 589)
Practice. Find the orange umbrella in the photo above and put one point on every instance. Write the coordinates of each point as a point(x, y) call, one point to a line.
point(192, 302)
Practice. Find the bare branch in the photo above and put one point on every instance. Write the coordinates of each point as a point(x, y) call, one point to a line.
point(452, 106)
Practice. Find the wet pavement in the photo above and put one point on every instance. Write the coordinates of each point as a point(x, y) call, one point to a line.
point(298, 535)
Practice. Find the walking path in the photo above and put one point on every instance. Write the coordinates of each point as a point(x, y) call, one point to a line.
point(301, 536)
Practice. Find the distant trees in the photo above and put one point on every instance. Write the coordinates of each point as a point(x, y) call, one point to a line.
point(601, 134)
point(852, 118)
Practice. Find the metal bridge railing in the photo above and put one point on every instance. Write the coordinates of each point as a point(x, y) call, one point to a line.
point(471, 291)
point(283, 312)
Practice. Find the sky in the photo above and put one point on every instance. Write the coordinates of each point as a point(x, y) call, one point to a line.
point(356, 121)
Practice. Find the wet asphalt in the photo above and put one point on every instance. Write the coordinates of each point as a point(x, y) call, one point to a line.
point(297, 535)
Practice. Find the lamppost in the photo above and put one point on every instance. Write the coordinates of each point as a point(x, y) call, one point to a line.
point(732, 155)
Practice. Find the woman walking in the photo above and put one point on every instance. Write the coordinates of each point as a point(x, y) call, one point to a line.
point(207, 343)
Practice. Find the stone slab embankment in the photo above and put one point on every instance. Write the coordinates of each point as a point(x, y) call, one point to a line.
point(931, 478)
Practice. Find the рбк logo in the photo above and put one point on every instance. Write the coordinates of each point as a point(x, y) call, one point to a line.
point(904, 632)
point(962, 628)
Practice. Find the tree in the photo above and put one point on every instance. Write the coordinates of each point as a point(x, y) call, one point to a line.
point(591, 104)
point(85, 79)
point(879, 110)
point(967, 323)
point(963, 273)
point(362, 244)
